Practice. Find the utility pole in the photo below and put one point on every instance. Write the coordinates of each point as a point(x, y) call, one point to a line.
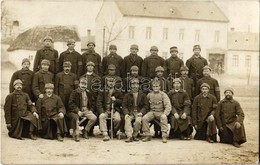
point(103, 48)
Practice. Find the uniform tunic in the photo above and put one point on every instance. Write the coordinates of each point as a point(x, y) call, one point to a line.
point(149, 65)
point(173, 65)
point(94, 57)
point(39, 80)
point(188, 86)
point(195, 66)
point(129, 61)
point(214, 86)
point(94, 82)
point(113, 59)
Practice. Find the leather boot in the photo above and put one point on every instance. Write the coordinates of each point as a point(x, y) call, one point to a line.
point(129, 139)
point(31, 136)
point(85, 134)
point(59, 137)
point(147, 138)
point(164, 139)
point(135, 139)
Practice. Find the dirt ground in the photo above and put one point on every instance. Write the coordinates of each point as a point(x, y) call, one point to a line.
point(95, 151)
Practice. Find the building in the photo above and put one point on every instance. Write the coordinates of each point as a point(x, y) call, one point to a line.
point(165, 24)
point(27, 43)
point(243, 53)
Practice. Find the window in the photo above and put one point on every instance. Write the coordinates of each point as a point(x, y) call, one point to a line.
point(197, 35)
point(148, 32)
point(165, 33)
point(131, 34)
point(216, 38)
point(235, 60)
point(30, 57)
point(164, 55)
point(181, 34)
point(248, 61)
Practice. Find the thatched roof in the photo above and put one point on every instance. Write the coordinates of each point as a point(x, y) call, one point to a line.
point(32, 39)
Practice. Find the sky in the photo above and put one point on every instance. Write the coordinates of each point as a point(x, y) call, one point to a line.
point(243, 15)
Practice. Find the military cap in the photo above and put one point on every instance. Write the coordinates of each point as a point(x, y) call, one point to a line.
point(91, 42)
point(26, 60)
point(45, 61)
point(154, 48)
point(183, 67)
point(112, 47)
point(134, 81)
point(18, 81)
point(229, 89)
point(176, 80)
point(206, 67)
point(196, 47)
point(70, 41)
point(67, 63)
point(111, 67)
point(90, 63)
point(205, 85)
point(159, 69)
point(174, 48)
point(49, 86)
point(134, 68)
point(134, 46)
point(48, 38)
point(155, 81)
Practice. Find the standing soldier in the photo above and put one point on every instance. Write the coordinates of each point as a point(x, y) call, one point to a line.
point(73, 56)
point(181, 125)
point(173, 63)
point(230, 117)
point(41, 78)
point(47, 52)
point(81, 104)
point(112, 58)
point(213, 83)
point(151, 62)
point(106, 98)
point(134, 106)
point(18, 110)
point(159, 108)
point(203, 111)
point(26, 75)
point(132, 60)
point(91, 55)
point(196, 64)
point(187, 83)
point(51, 112)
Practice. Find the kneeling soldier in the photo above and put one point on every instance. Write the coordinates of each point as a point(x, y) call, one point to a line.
point(135, 105)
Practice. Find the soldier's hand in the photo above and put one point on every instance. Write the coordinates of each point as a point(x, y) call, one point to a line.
point(211, 118)
point(237, 125)
point(35, 115)
point(61, 115)
point(8, 126)
point(176, 115)
point(126, 116)
point(84, 109)
point(196, 127)
point(80, 113)
point(183, 116)
point(139, 114)
point(41, 96)
point(221, 129)
point(113, 98)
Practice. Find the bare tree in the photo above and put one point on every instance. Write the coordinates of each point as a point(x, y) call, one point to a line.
point(6, 19)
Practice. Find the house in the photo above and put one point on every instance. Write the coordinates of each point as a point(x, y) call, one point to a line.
point(164, 24)
point(27, 43)
point(243, 53)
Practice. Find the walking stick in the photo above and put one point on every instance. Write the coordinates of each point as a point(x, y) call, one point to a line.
point(111, 122)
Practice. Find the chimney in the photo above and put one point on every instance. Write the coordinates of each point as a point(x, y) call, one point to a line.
point(232, 29)
point(89, 32)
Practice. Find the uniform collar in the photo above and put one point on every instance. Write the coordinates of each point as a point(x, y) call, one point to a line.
point(18, 92)
point(226, 100)
point(193, 56)
point(68, 51)
point(44, 72)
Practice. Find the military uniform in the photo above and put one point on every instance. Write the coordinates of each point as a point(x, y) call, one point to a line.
point(173, 65)
point(129, 61)
point(188, 86)
point(149, 65)
point(93, 81)
point(112, 59)
point(39, 80)
point(214, 86)
point(91, 55)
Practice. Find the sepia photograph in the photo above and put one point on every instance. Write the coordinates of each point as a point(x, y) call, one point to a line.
point(129, 82)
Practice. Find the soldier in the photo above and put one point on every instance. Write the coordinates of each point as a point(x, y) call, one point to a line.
point(109, 100)
point(41, 78)
point(230, 117)
point(187, 83)
point(47, 52)
point(73, 56)
point(213, 83)
point(91, 55)
point(81, 104)
point(19, 112)
point(173, 63)
point(134, 106)
point(26, 75)
point(181, 125)
point(113, 58)
point(111, 72)
point(196, 64)
point(151, 62)
point(134, 70)
point(51, 110)
point(133, 59)
point(159, 108)
point(203, 111)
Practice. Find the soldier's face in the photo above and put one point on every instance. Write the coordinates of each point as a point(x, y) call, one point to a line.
point(206, 72)
point(67, 68)
point(228, 95)
point(71, 45)
point(177, 85)
point(18, 86)
point(159, 74)
point(91, 46)
point(133, 50)
point(154, 51)
point(110, 83)
point(90, 68)
point(26, 65)
point(47, 43)
point(135, 87)
point(83, 84)
point(45, 67)
point(134, 73)
point(184, 72)
point(156, 88)
point(204, 90)
point(49, 91)
point(196, 51)
point(111, 72)
point(113, 51)
point(174, 53)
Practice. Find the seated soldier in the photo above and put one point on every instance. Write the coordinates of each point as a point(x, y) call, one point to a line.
point(134, 107)
point(19, 110)
point(180, 119)
point(230, 117)
point(109, 100)
point(51, 110)
point(81, 104)
point(159, 108)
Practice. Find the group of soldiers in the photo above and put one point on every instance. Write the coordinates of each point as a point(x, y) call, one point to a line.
point(65, 92)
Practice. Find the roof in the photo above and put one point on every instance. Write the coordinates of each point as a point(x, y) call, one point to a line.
point(85, 40)
point(190, 10)
point(32, 39)
point(6, 40)
point(243, 41)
